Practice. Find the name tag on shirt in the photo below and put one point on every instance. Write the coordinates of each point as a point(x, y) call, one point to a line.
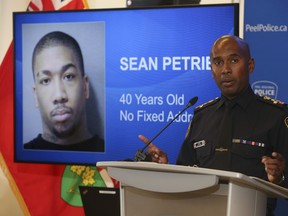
point(199, 144)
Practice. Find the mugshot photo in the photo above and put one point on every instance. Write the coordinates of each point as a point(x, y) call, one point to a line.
point(64, 86)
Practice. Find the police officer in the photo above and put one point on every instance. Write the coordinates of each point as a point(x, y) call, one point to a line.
point(239, 131)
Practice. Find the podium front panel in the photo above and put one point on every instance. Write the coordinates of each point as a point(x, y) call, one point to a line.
point(142, 203)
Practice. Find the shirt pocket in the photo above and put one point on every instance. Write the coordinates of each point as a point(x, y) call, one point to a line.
point(248, 151)
point(246, 158)
point(203, 154)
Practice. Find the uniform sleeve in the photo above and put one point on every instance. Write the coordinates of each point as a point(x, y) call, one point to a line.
point(187, 155)
point(282, 144)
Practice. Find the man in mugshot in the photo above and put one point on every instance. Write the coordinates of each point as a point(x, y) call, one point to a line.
point(61, 90)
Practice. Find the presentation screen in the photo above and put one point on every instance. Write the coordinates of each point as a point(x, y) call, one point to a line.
point(141, 66)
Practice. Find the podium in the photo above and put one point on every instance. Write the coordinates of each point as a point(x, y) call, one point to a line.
point(153, 189)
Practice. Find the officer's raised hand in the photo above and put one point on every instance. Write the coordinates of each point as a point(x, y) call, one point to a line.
point(156, 154)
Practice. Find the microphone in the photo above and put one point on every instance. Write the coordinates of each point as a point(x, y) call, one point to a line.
point(140, 154)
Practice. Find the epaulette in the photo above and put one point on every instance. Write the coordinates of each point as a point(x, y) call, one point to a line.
point(272, 101)
point(204, 105)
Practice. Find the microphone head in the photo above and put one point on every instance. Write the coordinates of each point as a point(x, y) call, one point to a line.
point(192, 101)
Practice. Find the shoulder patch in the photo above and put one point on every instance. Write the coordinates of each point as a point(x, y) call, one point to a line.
point(209, 103)
point(272, 101)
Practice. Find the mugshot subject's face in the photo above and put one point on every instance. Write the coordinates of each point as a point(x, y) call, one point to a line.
point(60, 91)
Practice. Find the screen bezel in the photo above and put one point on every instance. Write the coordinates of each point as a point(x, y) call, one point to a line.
point(77, 157)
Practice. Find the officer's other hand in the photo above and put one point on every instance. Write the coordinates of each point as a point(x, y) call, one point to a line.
point(274, 167)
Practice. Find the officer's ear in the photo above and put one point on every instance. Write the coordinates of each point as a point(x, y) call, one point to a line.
point(251, 65)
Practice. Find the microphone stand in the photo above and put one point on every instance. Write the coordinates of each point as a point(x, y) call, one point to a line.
point(140, 155)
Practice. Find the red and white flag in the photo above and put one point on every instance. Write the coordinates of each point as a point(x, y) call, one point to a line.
point(45, 5)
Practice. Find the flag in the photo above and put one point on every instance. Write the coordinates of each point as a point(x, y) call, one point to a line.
point(45, 5)
point(41, 188)
point(12, 202)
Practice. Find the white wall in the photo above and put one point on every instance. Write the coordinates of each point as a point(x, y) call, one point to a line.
point(106, 3)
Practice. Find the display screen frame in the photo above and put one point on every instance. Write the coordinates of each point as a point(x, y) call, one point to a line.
point(107, 113)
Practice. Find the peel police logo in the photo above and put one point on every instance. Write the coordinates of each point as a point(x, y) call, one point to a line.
point(265, 88)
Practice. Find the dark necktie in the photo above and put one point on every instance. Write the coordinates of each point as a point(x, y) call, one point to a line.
point(223, 149)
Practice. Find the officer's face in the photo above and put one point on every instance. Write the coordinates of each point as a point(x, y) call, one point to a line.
point(60, 91)
point(231, 66)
